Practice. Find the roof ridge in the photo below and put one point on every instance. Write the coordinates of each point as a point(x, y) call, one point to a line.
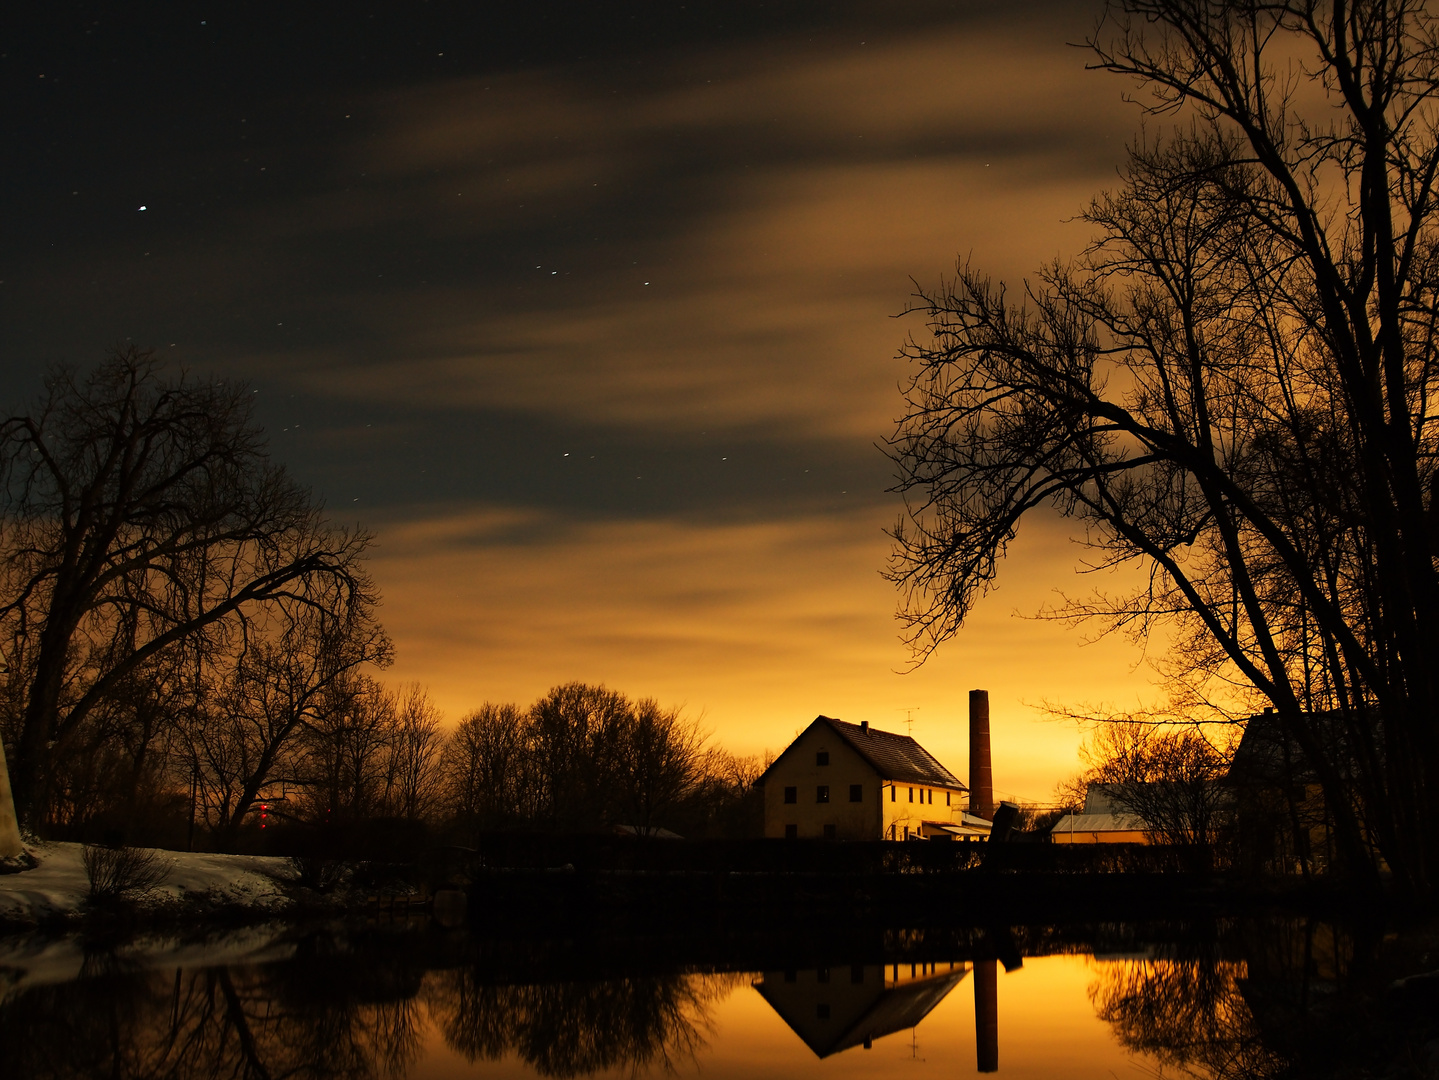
point(911, 761)
point(870, 730)
point(895, 757)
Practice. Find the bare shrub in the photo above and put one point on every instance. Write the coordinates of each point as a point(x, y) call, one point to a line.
point(118, 871)
point(319, 874)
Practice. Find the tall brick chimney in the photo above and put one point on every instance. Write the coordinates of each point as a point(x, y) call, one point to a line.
point(981, 782)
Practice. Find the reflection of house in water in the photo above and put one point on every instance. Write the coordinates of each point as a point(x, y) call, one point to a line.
point(834, 1009)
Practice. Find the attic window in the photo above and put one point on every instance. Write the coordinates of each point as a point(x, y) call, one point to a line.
point(946, 798)
point(822, 758)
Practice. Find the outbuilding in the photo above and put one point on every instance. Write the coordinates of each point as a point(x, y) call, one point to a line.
point(1104, 820)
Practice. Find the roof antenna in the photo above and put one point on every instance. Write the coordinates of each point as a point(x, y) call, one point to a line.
point(909, 712)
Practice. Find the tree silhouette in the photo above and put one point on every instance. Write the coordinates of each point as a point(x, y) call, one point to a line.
point(142, 516)
point(1233, 389)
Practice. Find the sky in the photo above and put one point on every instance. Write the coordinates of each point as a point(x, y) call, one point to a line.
point(589, 313)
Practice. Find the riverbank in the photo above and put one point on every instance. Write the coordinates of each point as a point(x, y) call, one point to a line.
point(682, 887)
point(193, 886)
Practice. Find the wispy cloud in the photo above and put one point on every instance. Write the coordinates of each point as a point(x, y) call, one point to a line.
point(759, 626)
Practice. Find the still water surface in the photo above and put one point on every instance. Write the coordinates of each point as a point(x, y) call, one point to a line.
point(1047, 1027)
point(422, 1005)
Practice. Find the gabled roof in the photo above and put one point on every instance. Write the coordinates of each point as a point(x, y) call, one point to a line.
point(895, 1009)
point(894, 757)
point(1268, 755)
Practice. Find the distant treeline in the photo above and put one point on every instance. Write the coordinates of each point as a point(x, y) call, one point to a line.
point(189, 652)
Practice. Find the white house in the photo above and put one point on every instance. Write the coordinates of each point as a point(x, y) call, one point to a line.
point(840, 781)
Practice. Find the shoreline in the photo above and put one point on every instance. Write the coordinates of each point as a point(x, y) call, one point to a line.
point(206, 891)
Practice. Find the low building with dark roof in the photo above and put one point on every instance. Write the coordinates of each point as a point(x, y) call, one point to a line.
point(842, 781)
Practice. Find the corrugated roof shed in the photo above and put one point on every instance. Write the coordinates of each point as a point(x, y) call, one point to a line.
point(894, 757)
point(1090, 823)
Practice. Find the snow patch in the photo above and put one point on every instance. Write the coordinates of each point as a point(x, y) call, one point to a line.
point(58, 886)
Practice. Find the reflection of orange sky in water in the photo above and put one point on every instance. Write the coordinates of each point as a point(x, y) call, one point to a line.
point(767, 312)
point(1047, 1028)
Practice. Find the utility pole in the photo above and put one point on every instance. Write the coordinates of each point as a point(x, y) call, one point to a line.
point(10, 845)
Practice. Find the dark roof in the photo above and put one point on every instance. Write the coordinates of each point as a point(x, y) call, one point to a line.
point(1268, 755)
point(896, 1009)
point(894, 757)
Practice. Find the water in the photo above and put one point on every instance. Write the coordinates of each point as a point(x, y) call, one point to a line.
point(421, 1004)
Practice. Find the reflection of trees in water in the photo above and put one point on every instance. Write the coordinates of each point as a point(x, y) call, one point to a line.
point(215, 1023)
point(325, 1016)
point(1187, 1013)
point(570, 1028)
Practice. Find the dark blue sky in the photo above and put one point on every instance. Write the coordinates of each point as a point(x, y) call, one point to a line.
point(584, 309)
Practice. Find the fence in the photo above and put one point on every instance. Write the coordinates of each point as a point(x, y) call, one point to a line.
point(531, 851)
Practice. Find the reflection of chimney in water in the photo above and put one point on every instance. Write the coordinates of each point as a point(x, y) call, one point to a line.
point(981, 782)
point(986, 1015)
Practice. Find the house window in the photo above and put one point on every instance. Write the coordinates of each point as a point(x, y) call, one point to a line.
point(821, 793)
point(822, 758)
point(906, 832)
point(931, 797)
point(856, 793)
point(911, 794)
point(791, 794)
point(829, 832)
point(892, 793)
point(946, 798)
point(791, 832)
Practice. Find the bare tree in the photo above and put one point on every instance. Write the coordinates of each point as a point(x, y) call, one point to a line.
point(141, 511)
point(578, 740)
point(722, 799)
point(1172, 778)
point(661, 763)
point(117, 782)
point(414, 768)
point(342, 753)
point(1232, 389)
point(292, 682)
point(487, 768)
point(581, 756)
